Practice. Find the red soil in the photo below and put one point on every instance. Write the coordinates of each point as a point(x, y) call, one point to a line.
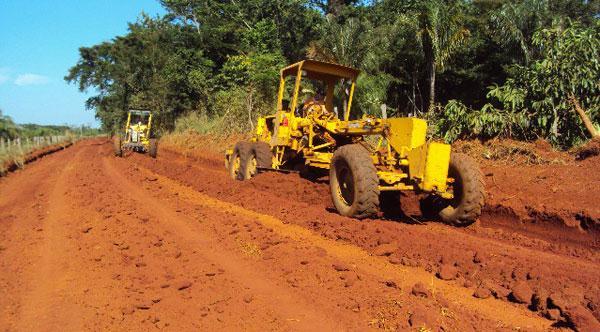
point(11, 166)
point(93, 242)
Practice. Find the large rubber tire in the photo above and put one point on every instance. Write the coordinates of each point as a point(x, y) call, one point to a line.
point(259, 155)
point(117, 146)
point(237, 160)
point(153, 149)
point(469, 194)
point(263, 154)
point(353, 182)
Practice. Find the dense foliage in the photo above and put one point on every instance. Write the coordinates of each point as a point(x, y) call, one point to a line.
point(513, 65)
point(539, 100)
point(10, 130)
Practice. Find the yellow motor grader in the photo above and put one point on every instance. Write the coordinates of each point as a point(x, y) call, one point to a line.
point(367, 158)
point(137, 135)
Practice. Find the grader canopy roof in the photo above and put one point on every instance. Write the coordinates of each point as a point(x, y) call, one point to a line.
point(140, 112)
point(321, 70)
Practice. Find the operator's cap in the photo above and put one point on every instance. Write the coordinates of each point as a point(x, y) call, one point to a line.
point(307, 91)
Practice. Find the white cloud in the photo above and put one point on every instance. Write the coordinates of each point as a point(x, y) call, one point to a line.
point(31, 79)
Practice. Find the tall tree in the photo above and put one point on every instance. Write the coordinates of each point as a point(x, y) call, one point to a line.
point(8, 129)
point(442, 33)
point(515, 22)
point(153, 67)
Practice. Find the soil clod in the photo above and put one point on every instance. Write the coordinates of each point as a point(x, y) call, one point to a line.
point(419, 289)
point(184, 284)
point(522, 293)
point(447, 272)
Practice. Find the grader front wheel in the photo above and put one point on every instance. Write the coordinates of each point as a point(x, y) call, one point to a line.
point(117, 146)
point(237, 160)
point(353, 182)
point(469, 193)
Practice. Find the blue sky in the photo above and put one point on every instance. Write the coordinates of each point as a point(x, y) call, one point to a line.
point(39, 42)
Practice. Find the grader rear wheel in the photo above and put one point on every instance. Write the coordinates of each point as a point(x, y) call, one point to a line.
point(117, 146)
point(259, 156)
point(240, 154)
point(469, 194)
point(353, 182)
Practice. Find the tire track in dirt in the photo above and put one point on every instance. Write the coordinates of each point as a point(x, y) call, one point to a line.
point(308, 318)
point(383, 300)
point(491, 309)
point(138, 244)
point(48, 306)
point(486, 257)
point(496, 236)
point(131, 269)
point(23, 213)
point(64, 288)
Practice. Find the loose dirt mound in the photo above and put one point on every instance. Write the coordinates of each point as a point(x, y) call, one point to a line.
point(512, 152)
point(13, 165)
point(547, 207)
point(589, 150)
point(533, 188)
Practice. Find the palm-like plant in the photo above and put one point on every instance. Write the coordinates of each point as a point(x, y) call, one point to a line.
point(351, 43)
point(442, 33)
point(515, 23)
point(348, 43)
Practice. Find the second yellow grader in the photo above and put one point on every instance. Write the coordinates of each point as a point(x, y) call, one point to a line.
point(367, 158)
point(137, 135)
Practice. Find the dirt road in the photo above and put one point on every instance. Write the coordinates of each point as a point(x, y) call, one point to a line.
point(93, 242)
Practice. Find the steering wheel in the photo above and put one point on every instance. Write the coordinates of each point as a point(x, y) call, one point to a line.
point(318, 111)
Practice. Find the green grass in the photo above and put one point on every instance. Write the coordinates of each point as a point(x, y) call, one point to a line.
point(16, 154)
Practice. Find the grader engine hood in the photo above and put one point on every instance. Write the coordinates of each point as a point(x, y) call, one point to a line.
point(405, 134)
point(428, 162)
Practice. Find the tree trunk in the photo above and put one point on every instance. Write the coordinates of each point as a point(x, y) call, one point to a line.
point(431, 84)
point(250, 106)
point(584, 117)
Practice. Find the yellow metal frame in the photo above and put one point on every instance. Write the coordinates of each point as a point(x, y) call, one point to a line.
point(144, 129)
point(402, 156)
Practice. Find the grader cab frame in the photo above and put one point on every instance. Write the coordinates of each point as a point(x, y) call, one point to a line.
point(365, 157)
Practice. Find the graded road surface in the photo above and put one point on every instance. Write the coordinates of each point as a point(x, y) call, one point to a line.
point(93, 242)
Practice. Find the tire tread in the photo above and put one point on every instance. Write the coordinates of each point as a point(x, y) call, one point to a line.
point(366, 203)
point(474, 194)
